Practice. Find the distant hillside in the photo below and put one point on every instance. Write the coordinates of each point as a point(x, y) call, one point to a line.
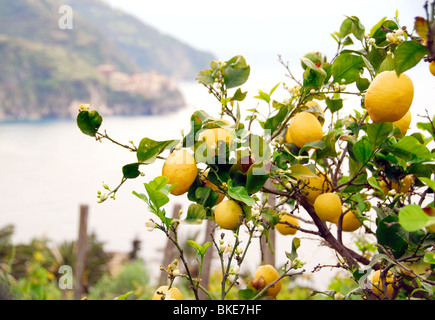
point(37, 21)
point(46, 72)
point(142, 44)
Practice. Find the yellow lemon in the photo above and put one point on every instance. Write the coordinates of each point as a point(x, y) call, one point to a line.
point(315, 186)
point(328, 207)
point(212, 136)
point(313, 103)
point(401, 186)
point(350, 222)
point(161, 294)
point(304, 127)
point(432, 67)
point(288, 137)
point(227, 214)
point(430, 211)
point(285, 229)
point(403, 123)
point(389, 97)
point(377, 286)
point(180, 169)
point(269, 275)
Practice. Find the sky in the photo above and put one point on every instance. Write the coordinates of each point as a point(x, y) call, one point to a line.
point(261, 30)
point(229, 27)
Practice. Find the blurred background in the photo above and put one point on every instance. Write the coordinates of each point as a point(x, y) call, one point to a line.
point(136, 63)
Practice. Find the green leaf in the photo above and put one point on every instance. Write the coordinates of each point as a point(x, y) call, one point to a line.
point(274, 88)
point(157, 190)
point(274, 122)
point(236, 72)
point(257, 175)
point(271, 216)
point(352, 25)
point(263, 96)
point(407, 55)
point(160, 183)
point(89, 122)
point(296, 243)
point(363, 150)
point(200, 250)
point(196, 121)
point(314, 77)
point(124, 296)
point(411, 144)
point(205, 247)
point(239, 95)
point(149, 149)
point(317, 145)
point(195, 246)
point(206, 77)
point(377, 26)
point(429, 257)
point(299, 170)
point(362, 83)
point(205, 196)
point(413, 218)
point(427, 126)
point(347, 67)
point(131, 171)
point(392, 236)
point(247, 294)
point(379, 132)
point(239, 193)
point(141, 196)
point(387, 64)
point(430, 183)
point(334, 104)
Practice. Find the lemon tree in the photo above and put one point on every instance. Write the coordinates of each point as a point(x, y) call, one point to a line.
point(344, 153)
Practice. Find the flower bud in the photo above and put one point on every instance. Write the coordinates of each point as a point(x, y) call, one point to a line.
point(235, 270)
point(390, 37)
point(399, 32)
point(176, 273)
point(338, 296)
point(150, 225)
point(84, 107)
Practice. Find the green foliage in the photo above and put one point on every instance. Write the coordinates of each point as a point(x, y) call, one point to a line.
point(31, 271)
point(131, 282)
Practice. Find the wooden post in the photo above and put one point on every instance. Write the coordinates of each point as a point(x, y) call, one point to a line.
point(268, 257)
point(169, 253)
point(80, 263)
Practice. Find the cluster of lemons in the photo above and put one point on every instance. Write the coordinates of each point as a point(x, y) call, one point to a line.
point(388, 99)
